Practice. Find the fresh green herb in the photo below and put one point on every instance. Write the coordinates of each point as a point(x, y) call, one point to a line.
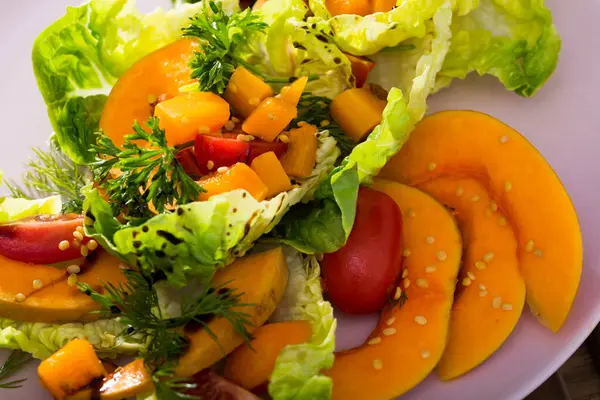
point(52, 173)
point(315, 110)
point(169, 388)
point(149, 173)
point(16, 360)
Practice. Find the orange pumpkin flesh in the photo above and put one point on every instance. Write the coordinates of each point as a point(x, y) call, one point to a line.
point(408, 341)
point(160, 73)
point(467, 143)
point(487, 308)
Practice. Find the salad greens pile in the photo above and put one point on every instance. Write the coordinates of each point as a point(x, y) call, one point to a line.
point(419, 47)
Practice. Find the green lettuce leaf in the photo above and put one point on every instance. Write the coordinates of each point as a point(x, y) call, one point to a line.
point(12, 209)
point(42, 339)
point(297, 372)
point(79, 57)
point(513, 40)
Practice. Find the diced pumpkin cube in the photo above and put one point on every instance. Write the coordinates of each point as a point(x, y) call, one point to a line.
point(271, 117)
point(245, 91)
point(292, 93)
point(183, 117)
point(300, 158)
point(70, 369)
point(269, 169)
point(357, 112)
point(239, 176)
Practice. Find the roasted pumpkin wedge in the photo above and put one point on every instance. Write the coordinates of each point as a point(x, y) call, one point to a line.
point(411, 335)
point(491, 291)
point(472, 144)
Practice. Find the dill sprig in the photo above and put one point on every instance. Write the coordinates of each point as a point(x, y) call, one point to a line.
point(169, 388)
point(149, 173)
point(16, 360)
point(49, 173)
point(315, 110)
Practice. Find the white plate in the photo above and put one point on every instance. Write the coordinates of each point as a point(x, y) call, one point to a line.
point(562, 121)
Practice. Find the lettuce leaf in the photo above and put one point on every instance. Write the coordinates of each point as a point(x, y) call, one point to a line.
point(79, 57)
point(43, 339)
point(513, 40)
point(12, 209)
point(297, 372)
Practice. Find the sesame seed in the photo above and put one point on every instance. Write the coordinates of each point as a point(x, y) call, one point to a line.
point(425, 354)
point(222, 170)
point(92, 245)
point(233, 88)
point(406, 252)
point(482, 286)
point(377, 364)
point(88, 221)
point(441, 255)
point(245, 138)
point(324, 123)
point(79, 229)
point(375, 340)
point(236, 120)
point(460, 191)
point(84, 251)
point(72, 281)
point(73, 269)
point(404, 273)
point(390, 321)
point(20, 297)
point(480, 265)
point(123, 267)
point(271, 116)
point(37, 283)
point(507, 306)
point(475, 198)
point(78, 235)
point(398, 293)
point(421, 320)
point(483, 293)
point(529, 246)
point(284, 138)
point(466, 281)
point(494, 205)
point(431, 166)
point(64, 245)
point(497, 302)
point(406, 283)
point(254, 101)
point(302, 123)
point(471, 275)
point(502, 221)
point(389, 331)
point(411, 213)
point(430, 240)
point(430, 269)
point(503, 139)
point(507, 186)
point(488, 257)
point(210, 164)
point(538, 253)
point(422, 283)
point(229, 125)
point(203, 130)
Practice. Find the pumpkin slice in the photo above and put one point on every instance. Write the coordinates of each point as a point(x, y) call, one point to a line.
point(467, 143)
point(61, 303)
point(159, 74)
point(18, 277)
point(491, 289)
point(410, 338)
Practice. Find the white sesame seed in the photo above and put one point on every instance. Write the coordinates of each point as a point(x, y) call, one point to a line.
point(79, 229)
point(377, 364)
point(480, 265)
point(398, 293)
point(471, 275)
point(406, 252)
point(497, 302)
point(421, 320)
point(203, 130)
point(324, 123)
point(425, 354)
point(488, 257)
point(72, 281)
point(37, 283)
point(411, 213)
point(254, 101)
point(92, 245)
point(422, 283)
point(507, 306)
point(233, 88)
point(73, 269)
point(390, 321)
point(494, 206)
point(502, 221)
point(430, 269)
point(538, 253)
point(375, 340)
point(466, 281)
point(404, 273)
point(503, 139)
point(389, 331)
point(483, 293)
point(460, 191)
point(475, 198)
point(20, 297)
point(123, 267)
point(236, 120)
point(508, 186)
point(482, 286)
point(431, 166)
point(441, 255)
point(271, 116)
point(406, 283)
point(210, 164)
point(430, 240)
point(222, 170)
point(529, 246)
point(284, 138)
point(229, 126)
point(64, 245)
point(302, 123)
point(88, 221)
point(77, 235)
point(84, 251)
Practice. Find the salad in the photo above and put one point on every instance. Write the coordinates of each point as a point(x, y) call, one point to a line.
point(223, 175)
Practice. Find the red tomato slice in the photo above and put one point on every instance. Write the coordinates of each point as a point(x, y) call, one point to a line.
point(222, 151)
point(36, 240)
point(361, 276)
point(187, 159)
